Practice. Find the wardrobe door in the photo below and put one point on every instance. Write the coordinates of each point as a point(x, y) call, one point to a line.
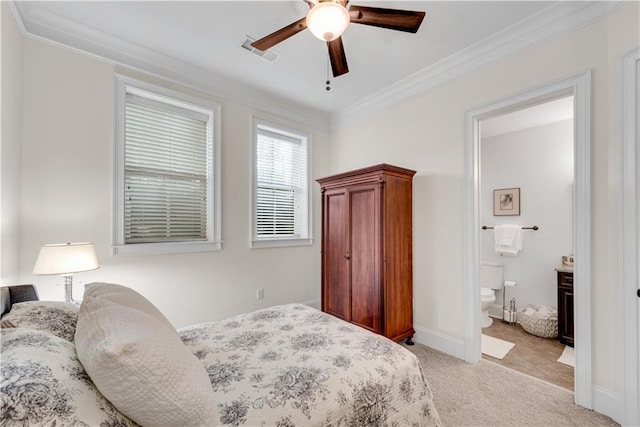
point(336, 295)
point(364, 255)
point(398, 258)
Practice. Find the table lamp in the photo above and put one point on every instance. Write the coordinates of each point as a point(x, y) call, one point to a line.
point(64, 259)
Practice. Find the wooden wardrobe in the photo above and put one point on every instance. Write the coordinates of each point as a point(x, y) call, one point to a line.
point(367, 276)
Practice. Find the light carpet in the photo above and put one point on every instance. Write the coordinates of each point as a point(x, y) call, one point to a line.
point(487, 394)
point(495, 347)
point(568, 356)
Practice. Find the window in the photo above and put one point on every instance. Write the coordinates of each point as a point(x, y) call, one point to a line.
point(281, 202)
point(167, 185)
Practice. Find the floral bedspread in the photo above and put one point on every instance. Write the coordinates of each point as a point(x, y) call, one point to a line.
point(293, 365)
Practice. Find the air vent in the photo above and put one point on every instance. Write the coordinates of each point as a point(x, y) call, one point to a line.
point(268, 55)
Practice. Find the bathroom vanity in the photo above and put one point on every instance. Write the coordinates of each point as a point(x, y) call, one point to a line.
point(565, 304)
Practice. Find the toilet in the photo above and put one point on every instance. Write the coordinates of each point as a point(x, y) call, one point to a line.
point(491, 280)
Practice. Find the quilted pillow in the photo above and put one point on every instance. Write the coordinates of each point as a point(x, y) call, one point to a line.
point(57, 318)
point(137, 360)
point(44, 384)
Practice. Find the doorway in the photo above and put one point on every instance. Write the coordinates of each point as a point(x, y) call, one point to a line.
point(578, 87)
point(529, 152)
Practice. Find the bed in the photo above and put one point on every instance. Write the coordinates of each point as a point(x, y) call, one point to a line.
point(289, 365)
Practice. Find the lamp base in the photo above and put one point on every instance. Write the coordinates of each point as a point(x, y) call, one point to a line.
point(68, 289)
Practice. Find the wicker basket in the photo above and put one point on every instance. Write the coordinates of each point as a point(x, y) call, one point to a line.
point(545, 328)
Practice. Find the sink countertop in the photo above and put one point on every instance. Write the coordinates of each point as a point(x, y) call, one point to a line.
point(565, 268)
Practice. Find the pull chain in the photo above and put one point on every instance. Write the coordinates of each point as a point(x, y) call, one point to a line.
point(328, 82)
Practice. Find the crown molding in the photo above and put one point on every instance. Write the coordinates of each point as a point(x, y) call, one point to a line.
point(16, 15)
point(53, 29)
point(552, 22)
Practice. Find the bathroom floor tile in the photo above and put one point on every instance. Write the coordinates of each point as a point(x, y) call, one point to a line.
point(531, 355)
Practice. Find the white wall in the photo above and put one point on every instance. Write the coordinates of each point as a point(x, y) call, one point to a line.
point(539, 161)
point(11, 136)
point(426, 133)
point(67, 175)
point(67, 195)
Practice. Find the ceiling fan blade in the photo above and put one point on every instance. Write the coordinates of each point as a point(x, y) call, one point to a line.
point(280, 35)
point(393, 19)
point(337, 57)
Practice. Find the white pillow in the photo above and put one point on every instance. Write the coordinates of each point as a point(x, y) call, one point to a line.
point(137, 360)
point(43, 383)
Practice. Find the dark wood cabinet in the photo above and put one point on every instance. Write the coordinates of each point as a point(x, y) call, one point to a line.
point(367, 276)
point(565, 307)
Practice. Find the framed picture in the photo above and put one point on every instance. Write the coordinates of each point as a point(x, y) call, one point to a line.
point(506, 201)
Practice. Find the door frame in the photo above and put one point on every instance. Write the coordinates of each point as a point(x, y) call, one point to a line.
point(629, 170)
point(578, 86)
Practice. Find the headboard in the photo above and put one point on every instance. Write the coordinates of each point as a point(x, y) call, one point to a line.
point(17, 293)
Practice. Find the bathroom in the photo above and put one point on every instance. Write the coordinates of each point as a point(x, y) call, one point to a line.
point(527, 160)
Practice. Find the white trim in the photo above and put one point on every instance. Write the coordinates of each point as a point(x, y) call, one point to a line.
point(629, 173)
point(580, 87)
point(17, 16)
point(471, 251)
point(551, 22)
point(439, 341)
point(214, 210)
point(166, 248)
point(315, 303)
point(582, 240)
point(608, 403)
point(295, 135)
point(280, 243)
point(50, 28)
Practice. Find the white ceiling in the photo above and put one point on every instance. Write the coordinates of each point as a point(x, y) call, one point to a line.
point(204, 38)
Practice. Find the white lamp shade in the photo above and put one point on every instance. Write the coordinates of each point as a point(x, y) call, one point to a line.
point(66, 258)
point(328, 20)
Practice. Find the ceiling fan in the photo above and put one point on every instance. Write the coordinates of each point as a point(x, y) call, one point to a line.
point(328, 19)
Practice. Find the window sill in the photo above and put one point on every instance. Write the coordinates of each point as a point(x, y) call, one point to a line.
point(280, 243)
point(166, 248)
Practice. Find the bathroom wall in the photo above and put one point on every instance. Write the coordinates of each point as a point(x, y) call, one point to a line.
point(539, 161)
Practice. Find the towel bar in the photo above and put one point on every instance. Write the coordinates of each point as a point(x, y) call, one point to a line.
point(535, 227)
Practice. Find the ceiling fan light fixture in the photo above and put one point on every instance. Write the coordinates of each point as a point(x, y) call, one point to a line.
point(328, 20)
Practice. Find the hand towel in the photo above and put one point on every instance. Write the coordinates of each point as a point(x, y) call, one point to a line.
point(508, 239)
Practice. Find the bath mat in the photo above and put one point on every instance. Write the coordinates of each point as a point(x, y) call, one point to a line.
point(568, 356)
point(495, 347)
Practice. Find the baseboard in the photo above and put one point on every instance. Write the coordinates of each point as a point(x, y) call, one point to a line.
point(424, 336)
point(315, 303)
point(604, 401)
point(607, 403)
point(439, 341)
point(496, 311)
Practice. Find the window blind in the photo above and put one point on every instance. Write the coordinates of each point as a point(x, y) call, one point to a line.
point(166, 157)
point(281, 187)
